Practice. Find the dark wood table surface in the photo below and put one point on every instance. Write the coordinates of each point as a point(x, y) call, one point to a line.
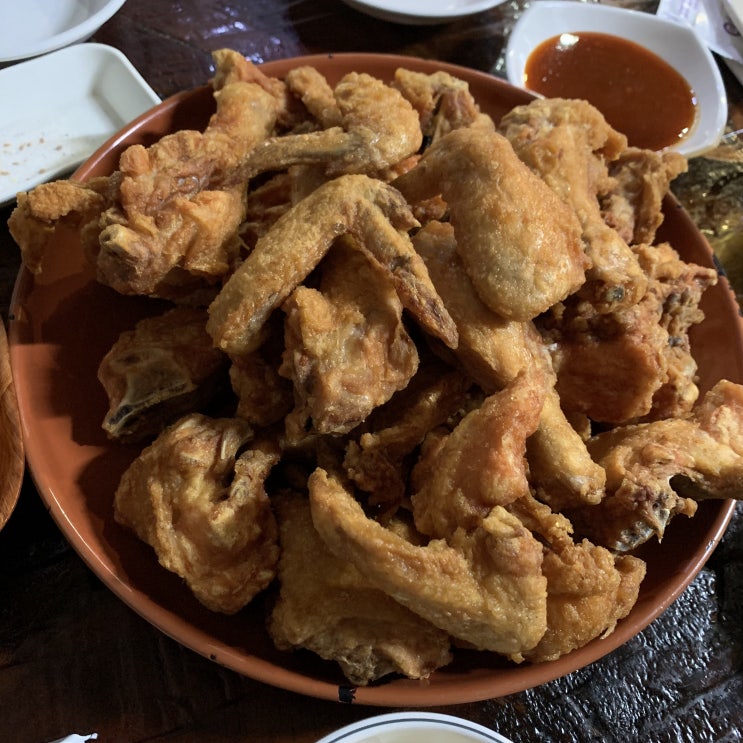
point(75, 659)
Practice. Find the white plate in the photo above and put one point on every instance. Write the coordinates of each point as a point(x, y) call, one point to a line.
point(59, 108)
point(34, 27)
point(673, 42)
point(409, 727)
point(414, 12)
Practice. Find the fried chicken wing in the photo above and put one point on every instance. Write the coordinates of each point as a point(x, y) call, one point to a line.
point(162, 369)
point(347, 350)
point(168, 224)
point(326, 605)
point(481, 464)
point(442, 101)
point(378, 128)
point(494, 351)
point(196, 495)
point(373, 213)
point(484, 587)
point(569, 144)
point(34, 219)
point(660, 469)
point(519, 243)
point(588, 588)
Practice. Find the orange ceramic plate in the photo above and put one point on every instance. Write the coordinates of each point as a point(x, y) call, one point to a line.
point(63, 322)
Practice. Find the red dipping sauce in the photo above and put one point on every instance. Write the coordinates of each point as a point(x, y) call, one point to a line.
point(639, 93)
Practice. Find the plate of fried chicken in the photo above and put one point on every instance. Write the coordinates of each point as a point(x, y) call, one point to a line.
point(336, 373)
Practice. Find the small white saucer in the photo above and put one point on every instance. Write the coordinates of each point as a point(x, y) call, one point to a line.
point(59, 108)
point(28, 29)
point(421, 12)
point(673, 42)
point(405, 727)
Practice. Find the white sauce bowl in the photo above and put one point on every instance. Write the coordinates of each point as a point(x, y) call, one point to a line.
point(676, 44)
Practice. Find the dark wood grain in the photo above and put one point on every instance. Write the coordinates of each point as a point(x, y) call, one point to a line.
point(75, 659)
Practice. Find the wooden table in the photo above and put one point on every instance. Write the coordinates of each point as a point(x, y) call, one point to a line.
point(75, 659)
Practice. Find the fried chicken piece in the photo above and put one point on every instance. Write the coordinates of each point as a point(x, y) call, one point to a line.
point(679, 287)
point(494, 351)
point(312, 88)
point(34, 219)
point(609, 365)
point(175, 227)
point(443, 102)
point(640, 180)
point(483, 587)
point(481, 464)
point(264, 396)
point(347, 350)
point(378, 129)
point(327, 606)
point(373, 213)
point(377, 461)
point(588, 589)
point(163, 368)
point(196, 495)
point(592, 350)
point(569, 144)
point(519, 243)
point(168, 220)
point(660, 469)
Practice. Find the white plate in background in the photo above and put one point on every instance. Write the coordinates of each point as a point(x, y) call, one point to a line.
point(33, 27)
point(421, 12)
point(673, 42)
point(59, 108)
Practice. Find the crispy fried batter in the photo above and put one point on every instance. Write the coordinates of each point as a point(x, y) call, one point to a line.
point(481, 464)
point(569, 144)
point(500, 598)
point(378, 128)
point(519, 243)
point(196, 495)
point(326, 605)
point(588, 588)
point(373, 213)
point(660, 469)
point(640, 180)
point(347, 350)
point(494, 351)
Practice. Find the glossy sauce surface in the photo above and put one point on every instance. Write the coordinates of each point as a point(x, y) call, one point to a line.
point(638, 92)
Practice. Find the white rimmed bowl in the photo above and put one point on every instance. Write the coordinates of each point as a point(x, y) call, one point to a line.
point(408, 727)
point(415, 12)
point(676, 44)
point(36, 27)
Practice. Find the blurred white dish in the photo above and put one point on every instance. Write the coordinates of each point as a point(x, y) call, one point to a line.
point(59, 108)
point(34, 27)
point(675, 43)
point(409, 727)
point(421, 12)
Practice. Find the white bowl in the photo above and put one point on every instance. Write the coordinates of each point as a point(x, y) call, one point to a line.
point(422, 12)
point(59, 108)
point(34, 27)
point(408, 727)
point(675, 43)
